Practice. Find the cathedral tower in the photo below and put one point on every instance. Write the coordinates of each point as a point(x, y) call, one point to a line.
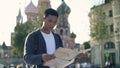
point(32, 13)
point(19, 18)
point(42, 6)
point(63, 27)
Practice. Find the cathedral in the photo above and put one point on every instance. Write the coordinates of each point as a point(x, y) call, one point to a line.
point(35, 13)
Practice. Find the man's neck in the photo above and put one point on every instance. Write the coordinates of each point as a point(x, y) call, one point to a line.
point(47, 31)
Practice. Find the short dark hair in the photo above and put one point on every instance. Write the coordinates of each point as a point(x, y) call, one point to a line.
point(50, 11)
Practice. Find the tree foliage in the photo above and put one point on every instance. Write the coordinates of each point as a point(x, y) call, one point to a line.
point(21, 31)
point(87, 44)
point(100, 31)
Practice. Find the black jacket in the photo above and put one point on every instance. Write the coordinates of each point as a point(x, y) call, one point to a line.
point(35, 46)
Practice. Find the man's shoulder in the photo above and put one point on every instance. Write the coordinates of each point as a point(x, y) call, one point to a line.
point(55, 34)
point(34, 33)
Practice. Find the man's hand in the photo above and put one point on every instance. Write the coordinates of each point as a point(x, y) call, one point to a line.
point(47, 57)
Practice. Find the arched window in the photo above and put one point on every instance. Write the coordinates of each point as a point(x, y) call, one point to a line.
point(109, 45)
point(61, 32)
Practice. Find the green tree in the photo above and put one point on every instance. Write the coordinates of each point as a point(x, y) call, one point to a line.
point(100, 31)
point(21, 31)
point(87, 44)
point(4, 47)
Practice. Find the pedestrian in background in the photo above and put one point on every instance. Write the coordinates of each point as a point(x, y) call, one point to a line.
point(107, 64)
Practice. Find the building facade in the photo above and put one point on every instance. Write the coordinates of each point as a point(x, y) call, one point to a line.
point(111, 47)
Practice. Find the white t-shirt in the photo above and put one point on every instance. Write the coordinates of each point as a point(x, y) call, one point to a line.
point(50, 42)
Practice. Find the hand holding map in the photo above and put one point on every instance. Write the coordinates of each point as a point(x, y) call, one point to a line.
point(64, 57)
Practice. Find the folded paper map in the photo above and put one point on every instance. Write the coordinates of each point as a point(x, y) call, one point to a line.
point(64, 57)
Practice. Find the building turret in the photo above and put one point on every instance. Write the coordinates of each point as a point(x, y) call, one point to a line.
point(63, 27)
point(63, 8)
point(32, 12)
point(42, 6)
point(19, 18)
point(63, 11)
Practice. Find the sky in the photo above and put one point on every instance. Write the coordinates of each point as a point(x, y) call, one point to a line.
point(78, 18)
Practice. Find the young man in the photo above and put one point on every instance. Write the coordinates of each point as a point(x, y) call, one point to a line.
point(42, 43)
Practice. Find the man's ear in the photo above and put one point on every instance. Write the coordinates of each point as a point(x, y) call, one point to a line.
point(43, 18)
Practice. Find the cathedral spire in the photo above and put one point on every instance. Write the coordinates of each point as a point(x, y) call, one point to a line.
point(19, 14)
point(19, 18)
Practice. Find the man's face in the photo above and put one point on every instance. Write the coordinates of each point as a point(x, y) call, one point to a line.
point(50, 22)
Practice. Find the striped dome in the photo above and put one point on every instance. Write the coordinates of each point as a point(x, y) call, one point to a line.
point(63, 8)
point(31, 8)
